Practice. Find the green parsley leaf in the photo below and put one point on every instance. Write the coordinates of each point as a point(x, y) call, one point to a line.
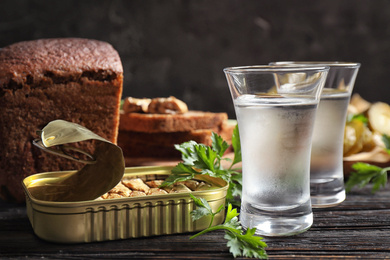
point(239, 243)
point(365, 173)
point(231, 219)
point(205, 157)
point(246, 244)
point(187, 150)
point(235, 188)
point(236, 180)
point(180, 172)
point(218, 144)
point(202, 210)
point(236, 143)
point(360, 117)
point(386, 141)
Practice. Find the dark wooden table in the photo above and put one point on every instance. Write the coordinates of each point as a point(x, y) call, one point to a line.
point(358, 228)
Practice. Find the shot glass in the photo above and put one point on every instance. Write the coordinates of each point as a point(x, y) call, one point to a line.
point(275, 110)
point(326, 167)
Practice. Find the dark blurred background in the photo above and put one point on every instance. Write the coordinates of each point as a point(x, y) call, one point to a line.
point(173, 47)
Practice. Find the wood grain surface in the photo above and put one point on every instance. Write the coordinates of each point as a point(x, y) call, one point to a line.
point(358, 228)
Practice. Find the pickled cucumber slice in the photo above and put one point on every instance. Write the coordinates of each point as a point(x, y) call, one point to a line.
point(353, 137)
point(379, 117)
point(368, 140)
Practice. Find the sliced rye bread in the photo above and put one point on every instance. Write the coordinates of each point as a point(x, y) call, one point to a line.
point(167, 123)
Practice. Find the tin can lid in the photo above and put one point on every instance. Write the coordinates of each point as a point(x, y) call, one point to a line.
point(102, 170)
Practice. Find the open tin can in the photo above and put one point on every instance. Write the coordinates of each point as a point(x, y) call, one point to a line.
point(120, 218)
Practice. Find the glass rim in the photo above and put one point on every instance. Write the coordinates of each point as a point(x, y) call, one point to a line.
point(344, 64)
point(275, 68)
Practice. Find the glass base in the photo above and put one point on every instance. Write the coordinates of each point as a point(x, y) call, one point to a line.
point(321, 201)
point(327, 193)
point(277, 223)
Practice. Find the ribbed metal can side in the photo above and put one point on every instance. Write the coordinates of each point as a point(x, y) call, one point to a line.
point(112, 219)
point(149, 219)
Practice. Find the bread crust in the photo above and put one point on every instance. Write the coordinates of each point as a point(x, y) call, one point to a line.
point(59, 59)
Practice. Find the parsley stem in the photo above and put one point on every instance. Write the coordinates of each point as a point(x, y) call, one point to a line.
point(215, 228)
point(212, 219)
point(385, 170)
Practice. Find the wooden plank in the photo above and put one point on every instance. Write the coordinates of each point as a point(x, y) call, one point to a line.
point(358, 228)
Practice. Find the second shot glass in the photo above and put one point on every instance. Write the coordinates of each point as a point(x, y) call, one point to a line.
point(326, 168)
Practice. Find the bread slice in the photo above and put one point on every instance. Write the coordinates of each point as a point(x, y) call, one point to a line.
point(162, 145)
point(159, 145)
point(77, 80)
point(168, 123)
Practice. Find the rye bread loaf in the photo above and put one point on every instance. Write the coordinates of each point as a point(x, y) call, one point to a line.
point(77, 80)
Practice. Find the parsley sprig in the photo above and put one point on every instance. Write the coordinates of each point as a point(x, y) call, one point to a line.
point(203, 159)
point(240, 244)
point(365, 173)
